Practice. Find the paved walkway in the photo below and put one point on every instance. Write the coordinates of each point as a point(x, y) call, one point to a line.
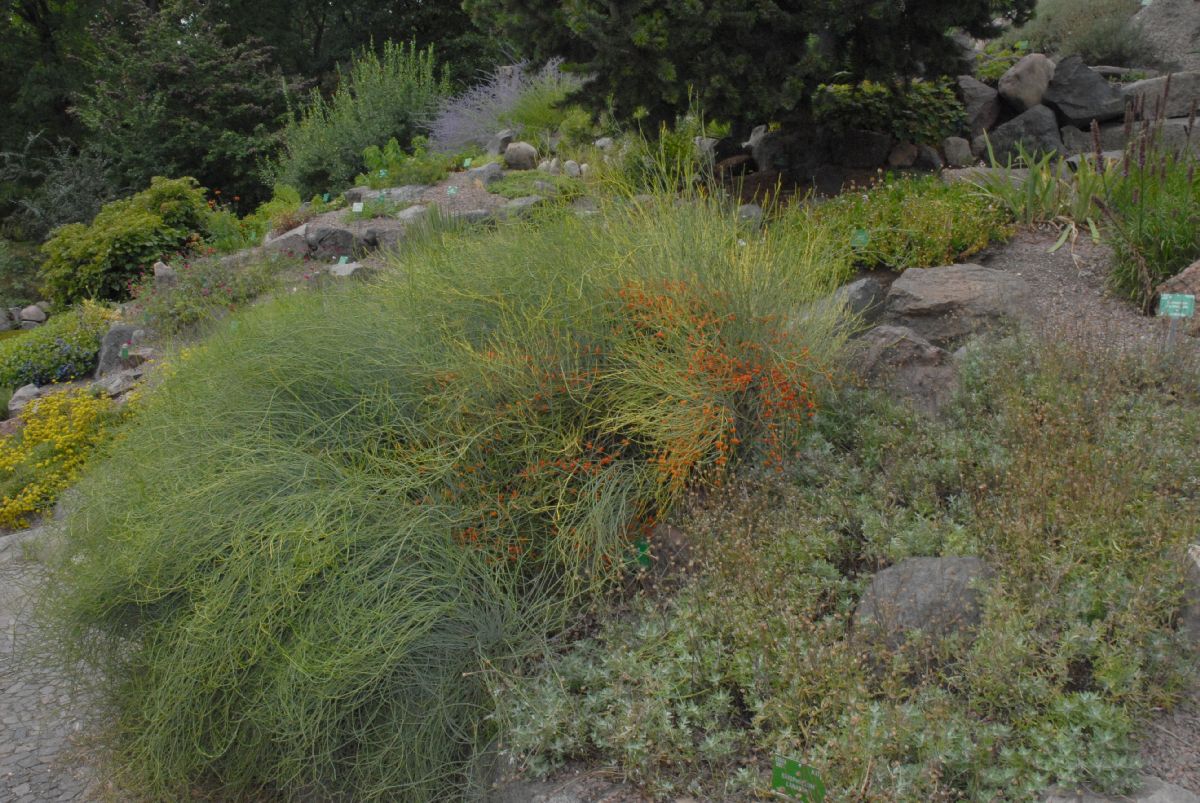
point(40, 723)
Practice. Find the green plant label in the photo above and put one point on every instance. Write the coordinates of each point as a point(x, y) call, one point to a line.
point(383, 173)
point(643, 553)
point(325, 198)
point(452, 190)
point(343, 260)
point(796, 780)
point(125, 352)
point(358, 207)
point(466, 162)
point(1177, 305)
point(861, 238)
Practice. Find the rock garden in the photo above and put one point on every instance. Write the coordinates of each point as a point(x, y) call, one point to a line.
point(562, 434)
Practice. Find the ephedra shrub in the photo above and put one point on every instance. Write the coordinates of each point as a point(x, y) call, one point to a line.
point(328, 528)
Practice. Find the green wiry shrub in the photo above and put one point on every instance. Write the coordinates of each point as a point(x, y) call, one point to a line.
point(381, 96)
point(62, 349)
point(305, 592)
point(921, 111)
point(100, 260)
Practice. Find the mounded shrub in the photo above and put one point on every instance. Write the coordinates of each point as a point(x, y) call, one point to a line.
point(381, 96)
point(922, 111)
point(62, 349)
point(306, 592)
point(98, 261)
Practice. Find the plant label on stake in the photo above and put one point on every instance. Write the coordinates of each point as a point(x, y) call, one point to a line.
point(466, 163)
point(343, 260)
point(861, 238)
point(325, 198)
point(794, 779)
point(357, 208)
point(1176, 306)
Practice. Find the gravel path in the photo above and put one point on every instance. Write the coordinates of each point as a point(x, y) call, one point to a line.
point(40, 721)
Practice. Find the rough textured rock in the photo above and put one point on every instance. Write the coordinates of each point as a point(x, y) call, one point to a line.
point(903, 154)
point(1172, 28)
point(1035, 130)
point(520, 156)
point(486, 175)
point(28, 393)
point(1172, 135)
point(938, 596)
point(413, 214)
point(7, 321)
point(861, 149)
point(605, 143)
point(326, 241)
point(120, 338)
point(982, 104)
point(521, 207)
point(349, 270)
point(291, 243)
point(571, 169)
point(1184, 91)
point(958, 152)
point(33, 314)
point(1080, 94)
point(472, 216)
point(928, 158)
point(1024, 84)
point(863, 297)
point(948, 303)
point(897, 358)
point(117, 384)
point(801, 151)
point(500, 141)
point(1152, 790)
point(1186, 281)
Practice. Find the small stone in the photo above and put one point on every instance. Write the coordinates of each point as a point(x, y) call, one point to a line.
point(413, 214)
point(928, 158)
point(293, 243)
point(21, 398)
point(521, 207)
point(605, 143)
point(544, 166)
point(584, 170)
point(486, 175)
point(571, 168)
point(555, 168)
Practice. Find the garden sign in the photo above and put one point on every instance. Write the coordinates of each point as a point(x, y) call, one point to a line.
point(796, 780)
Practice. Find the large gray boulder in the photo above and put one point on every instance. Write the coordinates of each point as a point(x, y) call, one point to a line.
point(520, 156)
point(33, 314)
point(938, 596)
point(949, 303)
point(981, 102)
point(1157, 101)
point(1170, 135)
point(521, 207)
point(1080, 94)
point(486, 175)
point(1151, 790)
point(1024, 84)
point(908, 365)
point(862, 297)
point(1035, 130)
point(325, 241)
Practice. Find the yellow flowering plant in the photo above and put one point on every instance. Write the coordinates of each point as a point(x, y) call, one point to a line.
point(61, 433)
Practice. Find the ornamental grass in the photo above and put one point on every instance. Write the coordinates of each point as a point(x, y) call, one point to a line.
point(344, 511)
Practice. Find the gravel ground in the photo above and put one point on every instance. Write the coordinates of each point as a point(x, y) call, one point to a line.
point(41, 721)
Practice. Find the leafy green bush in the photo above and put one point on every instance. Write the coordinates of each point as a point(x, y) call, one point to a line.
point(1039, 469)
point(307, 591)
point(203, 291)
point(392, 167)
point(18, 270)
point(285, 211)
point(100, 260)
point(909, 222)
point(1100, 31)
point(921, 111)
point(62, 349)
point(380, 97)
